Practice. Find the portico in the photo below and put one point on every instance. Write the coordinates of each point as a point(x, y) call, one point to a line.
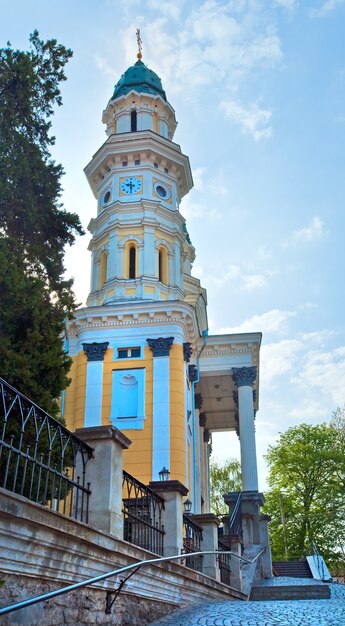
point(229, 387)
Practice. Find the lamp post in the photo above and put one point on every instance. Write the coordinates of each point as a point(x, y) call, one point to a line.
point(187, 506)
point(164, 474)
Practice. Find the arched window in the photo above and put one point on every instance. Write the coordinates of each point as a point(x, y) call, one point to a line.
point(163, 265)
point(133, 121)
point(132, 262)
point(103, 268)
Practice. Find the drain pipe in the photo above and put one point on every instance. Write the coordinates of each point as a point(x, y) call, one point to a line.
point(194, 428)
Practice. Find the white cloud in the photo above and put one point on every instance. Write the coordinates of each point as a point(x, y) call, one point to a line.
point(279, 358)
point(287, 4)
point(313, 232)
point(274, 321)
point(253, 121)
point(199, 174)
point(254, 281)
point(326, 372)
point(326, 8)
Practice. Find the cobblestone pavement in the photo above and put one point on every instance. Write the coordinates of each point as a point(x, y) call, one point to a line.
point(273, 613)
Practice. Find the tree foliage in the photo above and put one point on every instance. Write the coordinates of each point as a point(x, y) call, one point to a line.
point(224, 477)
point(34, 227)
point(306, 497)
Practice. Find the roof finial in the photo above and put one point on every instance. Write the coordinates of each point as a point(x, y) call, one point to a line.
point(139, 42)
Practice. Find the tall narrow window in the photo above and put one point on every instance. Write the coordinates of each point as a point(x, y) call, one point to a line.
point(160, 266)
point(103, 263)
point(132, 261)
point(163, 266)
point(133, 121)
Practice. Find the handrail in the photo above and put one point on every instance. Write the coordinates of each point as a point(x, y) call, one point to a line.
point(58, 592)
point(235, 521)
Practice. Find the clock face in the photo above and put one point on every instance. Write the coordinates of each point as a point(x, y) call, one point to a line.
point(131, 185)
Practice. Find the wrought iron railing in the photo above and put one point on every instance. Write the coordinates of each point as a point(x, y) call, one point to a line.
point(235, 521)
point(192, 539)
point(142, 515)
point(39, 458)
point(224, 561)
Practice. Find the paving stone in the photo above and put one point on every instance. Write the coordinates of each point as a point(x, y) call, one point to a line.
point(265, 613)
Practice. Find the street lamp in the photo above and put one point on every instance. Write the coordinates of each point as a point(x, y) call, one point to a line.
point(164, 474)
point(187, 506)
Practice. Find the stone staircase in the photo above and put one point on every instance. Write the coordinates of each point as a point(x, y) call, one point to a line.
point(294, 591)
point(292, 569)
point(291, 592)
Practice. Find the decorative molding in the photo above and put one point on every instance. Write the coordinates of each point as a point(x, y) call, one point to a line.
point(95, 351)
point(202, 420)
point(187, 351)
point(206, 436)
point(160, 346)
point(192, 373)
point(244, 376)
point(198, 401)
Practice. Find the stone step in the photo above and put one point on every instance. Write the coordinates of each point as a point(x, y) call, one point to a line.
point(295, 569)
point(291, 592)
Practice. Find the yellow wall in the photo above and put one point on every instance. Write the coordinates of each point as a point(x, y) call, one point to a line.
point(75, 393)
point(138, 458)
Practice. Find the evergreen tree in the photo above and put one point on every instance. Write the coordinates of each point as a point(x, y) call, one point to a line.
point(34, 227)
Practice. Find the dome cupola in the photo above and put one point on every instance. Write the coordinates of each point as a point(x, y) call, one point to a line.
point(140, 78)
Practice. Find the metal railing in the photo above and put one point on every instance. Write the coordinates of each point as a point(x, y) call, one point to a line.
point(39, 458)
point(133, 566)
point(192, 538)
point(235, 521)
point(142, 515)
point(224, 560)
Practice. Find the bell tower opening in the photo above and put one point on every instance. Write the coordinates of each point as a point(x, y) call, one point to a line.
point(132, 262)
point(133, 121)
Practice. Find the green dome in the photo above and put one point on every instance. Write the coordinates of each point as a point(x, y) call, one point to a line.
point(140, 78)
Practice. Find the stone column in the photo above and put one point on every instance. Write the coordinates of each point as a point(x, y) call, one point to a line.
point(94, 382)
point(173, 493)
point(150, 252)
point(104, 472)
point(244, 378)
point(209, 524)
point(161, 404)
point(266, 559)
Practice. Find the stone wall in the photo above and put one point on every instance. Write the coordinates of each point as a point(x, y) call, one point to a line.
point(41, 550)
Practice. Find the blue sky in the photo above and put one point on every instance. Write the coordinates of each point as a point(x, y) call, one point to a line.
point(258, 87)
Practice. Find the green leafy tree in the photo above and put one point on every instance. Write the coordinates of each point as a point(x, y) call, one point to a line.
point(306, 496)
point(34, 227)
point(224, 477)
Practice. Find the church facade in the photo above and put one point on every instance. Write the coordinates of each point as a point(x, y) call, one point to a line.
point(143, 360)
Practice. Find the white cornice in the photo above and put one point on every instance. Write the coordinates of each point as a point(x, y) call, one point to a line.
point(136, 314)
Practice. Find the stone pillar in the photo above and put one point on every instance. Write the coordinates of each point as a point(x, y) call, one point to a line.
point(161, 404)
point(104, 472)
point(173, 493)
point(244, 378)
point(94, 382)
point(209, 524)
point(266, 559)
point(233, 543)
point(250, 506)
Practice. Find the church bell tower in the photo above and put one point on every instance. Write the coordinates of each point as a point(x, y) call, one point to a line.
point(134, 344)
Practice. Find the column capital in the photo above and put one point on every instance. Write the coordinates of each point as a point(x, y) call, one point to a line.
point(160, 346)
point(244, 376)
point(192, 373)
point(95, 351)
point(187, 351)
